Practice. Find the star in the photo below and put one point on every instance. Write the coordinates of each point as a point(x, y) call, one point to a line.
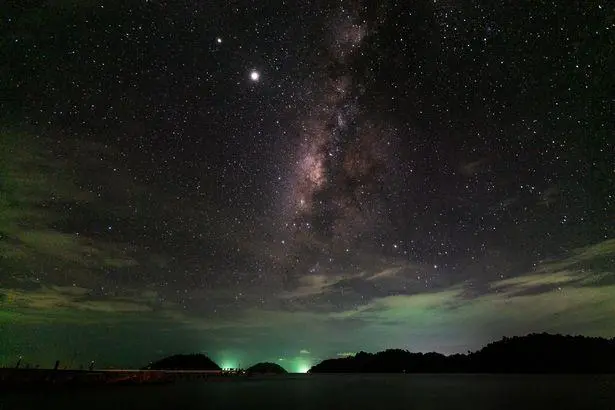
point(254, 75)
point(219, 40)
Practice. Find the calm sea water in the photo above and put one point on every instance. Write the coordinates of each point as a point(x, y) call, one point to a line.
point(422, 392)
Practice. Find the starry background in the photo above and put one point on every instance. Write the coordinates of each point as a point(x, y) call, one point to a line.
point(292, 181)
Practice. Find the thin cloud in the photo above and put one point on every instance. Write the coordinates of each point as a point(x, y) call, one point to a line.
point(71, 298)
point(311, 285)
point(385, 273)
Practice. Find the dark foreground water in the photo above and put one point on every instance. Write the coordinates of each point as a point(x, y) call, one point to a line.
point(421, 392)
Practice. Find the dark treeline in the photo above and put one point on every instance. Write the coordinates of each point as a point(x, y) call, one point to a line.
point(535, 353)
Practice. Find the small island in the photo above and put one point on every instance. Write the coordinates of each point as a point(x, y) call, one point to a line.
point(266, 368)
point(184, 362)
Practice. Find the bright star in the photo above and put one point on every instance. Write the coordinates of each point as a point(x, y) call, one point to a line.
point(254, 75)
point(219, 40)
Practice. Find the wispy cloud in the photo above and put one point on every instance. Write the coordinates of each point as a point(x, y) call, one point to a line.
point(38, 197)
point(582, 256)
point(385, 273)
point(55, 298)
point(526, 282)
point(314, 284)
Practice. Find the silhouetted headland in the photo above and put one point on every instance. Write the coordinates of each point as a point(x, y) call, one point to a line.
point(534, 353)
point(266, 368)
point(184, 362)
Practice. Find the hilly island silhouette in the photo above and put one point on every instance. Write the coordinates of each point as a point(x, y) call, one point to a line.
point(266, 368)
point(534, 353)
point(184, 362)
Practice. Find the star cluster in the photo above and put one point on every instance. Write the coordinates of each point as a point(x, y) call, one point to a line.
point(296, 180)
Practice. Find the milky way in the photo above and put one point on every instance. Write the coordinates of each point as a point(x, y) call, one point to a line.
point(341, 155)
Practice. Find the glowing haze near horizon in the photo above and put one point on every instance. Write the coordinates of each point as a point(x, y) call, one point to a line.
point(291, 181)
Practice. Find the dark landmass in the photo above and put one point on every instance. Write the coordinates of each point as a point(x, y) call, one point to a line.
point(184, 362)
point(534, 353)
point(266, 368)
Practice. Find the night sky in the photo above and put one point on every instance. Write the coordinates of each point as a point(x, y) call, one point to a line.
point(296, 180)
